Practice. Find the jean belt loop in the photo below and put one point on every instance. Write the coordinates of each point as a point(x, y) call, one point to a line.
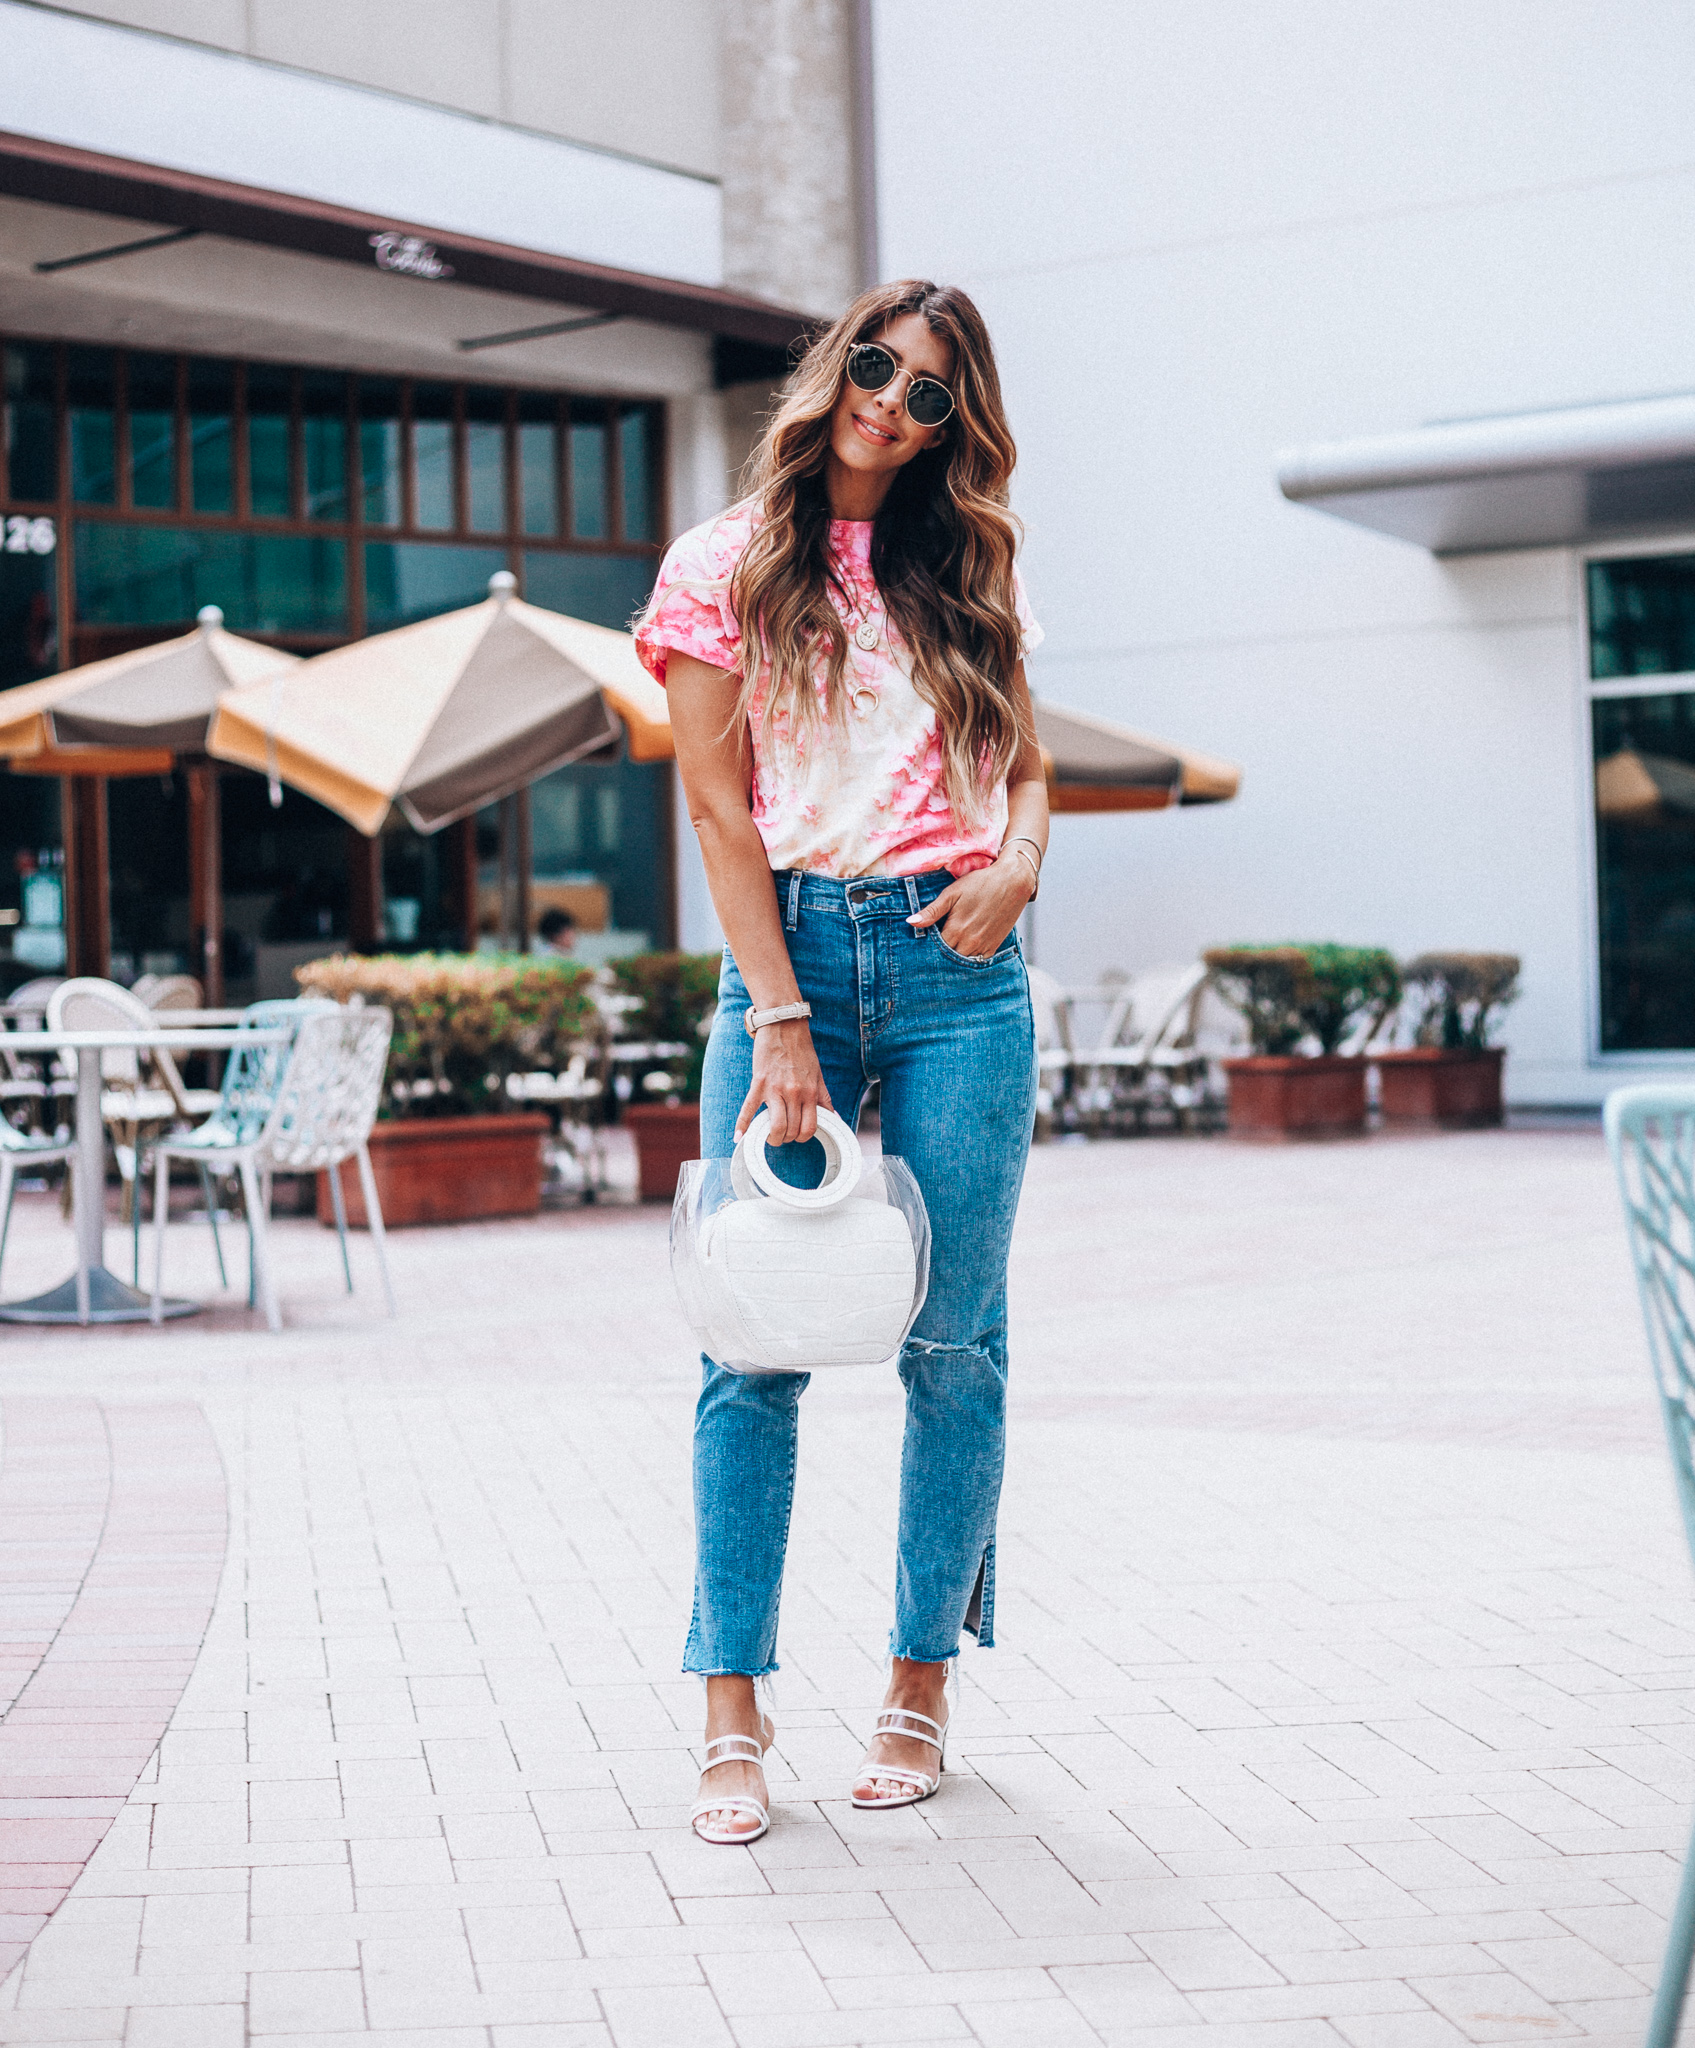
point(793, 917)
point(912, 903)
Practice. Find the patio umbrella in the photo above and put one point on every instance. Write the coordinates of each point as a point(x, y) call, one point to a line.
point(1096, 766)
point(153, 698)
point(449, 714)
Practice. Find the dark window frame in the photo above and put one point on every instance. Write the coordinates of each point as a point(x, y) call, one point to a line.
point(1617, 687)
point(353, 529)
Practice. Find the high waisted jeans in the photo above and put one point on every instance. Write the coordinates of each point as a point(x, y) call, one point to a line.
point(951, 1043)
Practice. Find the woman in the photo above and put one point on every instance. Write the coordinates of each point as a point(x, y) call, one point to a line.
point(844, 655)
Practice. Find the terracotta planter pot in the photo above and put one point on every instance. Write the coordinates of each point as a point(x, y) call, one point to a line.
point(1273, 1095)
point(667, 1134)
point(1432, 1085)
point(449, 1169)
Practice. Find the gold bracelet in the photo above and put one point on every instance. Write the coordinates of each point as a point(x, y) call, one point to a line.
point(1017, 846)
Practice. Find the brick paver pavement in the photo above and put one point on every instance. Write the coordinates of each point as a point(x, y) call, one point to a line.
point(1346, 1692)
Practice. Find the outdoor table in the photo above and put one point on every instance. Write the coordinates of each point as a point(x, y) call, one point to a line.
point(92, 1294)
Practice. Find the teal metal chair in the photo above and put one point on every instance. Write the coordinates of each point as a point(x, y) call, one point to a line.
point(1651, 1134)
point(251, 1081)
point(24, 1152)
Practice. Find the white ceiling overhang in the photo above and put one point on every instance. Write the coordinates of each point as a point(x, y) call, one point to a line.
point(1522, 480)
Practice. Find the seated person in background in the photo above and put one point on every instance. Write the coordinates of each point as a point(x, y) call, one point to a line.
point(555, 935)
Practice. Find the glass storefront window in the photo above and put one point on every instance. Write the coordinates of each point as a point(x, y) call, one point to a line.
point(211, 435)
point(29, 638)
point(285, 886)
point(93, 425)
point(147, 833)
point(323, 430)
point(249, 453)
point(607, 590)
point(485, 459)
point(432, 458)
point(161, 575)
point(270, 418)
point(407, 580)
point(1642, 617)
point(635, 457)
point(1645, 850)
point(597, 850)
point(153, 432)
point(32, 463)
point(32, 879)
point(379, 449)
point(588, 470)
point(538, 463)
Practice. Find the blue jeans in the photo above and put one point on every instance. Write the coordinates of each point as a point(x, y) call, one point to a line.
point(952, 1045)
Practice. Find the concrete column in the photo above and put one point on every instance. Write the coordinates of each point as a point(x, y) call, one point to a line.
point(792, 183)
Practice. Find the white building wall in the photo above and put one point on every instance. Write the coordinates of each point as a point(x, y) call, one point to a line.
point(1202, 234)
point(641, 78)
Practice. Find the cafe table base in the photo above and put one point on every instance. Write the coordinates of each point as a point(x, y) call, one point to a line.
point(110, 1300)
point(92, 1294)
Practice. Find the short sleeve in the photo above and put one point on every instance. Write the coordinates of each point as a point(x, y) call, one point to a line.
point(690, 607)
point(1027, 621)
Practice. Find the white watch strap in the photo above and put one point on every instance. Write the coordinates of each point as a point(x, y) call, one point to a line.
point(780, 1015)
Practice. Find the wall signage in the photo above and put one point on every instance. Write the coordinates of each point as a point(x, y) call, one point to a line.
point(408, 253)
point(29, 536)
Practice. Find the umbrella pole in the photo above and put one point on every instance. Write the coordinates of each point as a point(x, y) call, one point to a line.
point(88, 903)
point(461, 841)
point(522, 804)
point(205, 879)
point(364, 891)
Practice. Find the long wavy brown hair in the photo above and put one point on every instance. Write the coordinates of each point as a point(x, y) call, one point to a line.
point(942, 548)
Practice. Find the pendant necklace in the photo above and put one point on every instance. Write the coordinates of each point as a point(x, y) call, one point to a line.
point(869, 629)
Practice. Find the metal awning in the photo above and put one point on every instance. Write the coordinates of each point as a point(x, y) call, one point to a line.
point(1521, 480)
point(166, 198)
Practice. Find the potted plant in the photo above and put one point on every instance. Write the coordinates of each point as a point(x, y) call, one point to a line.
point(1450, 1074)
point(450, 1144)
point(1301, 1002)
point(675, 997)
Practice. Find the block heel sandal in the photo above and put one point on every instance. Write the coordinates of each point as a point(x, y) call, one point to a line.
point(732, 1749)
point(916, 1728)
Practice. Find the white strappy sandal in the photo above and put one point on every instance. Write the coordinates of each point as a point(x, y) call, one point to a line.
point(733, 1749)
point(917, 1728)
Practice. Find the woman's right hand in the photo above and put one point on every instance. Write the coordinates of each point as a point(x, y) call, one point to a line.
point(788, 1081)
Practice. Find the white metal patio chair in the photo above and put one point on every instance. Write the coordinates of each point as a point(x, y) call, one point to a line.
point(1651, 1134)
point(30, 1077)
point(23, 1151)
point(131, 1109)
point(1051, 1009)
point(1150, 1011)
point(322, 1112)
point(251, 1079)
point(169, 992)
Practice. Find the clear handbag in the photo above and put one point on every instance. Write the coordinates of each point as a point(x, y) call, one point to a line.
point(774, 1278)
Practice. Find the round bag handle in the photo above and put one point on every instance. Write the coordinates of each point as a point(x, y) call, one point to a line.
point(843, 1163)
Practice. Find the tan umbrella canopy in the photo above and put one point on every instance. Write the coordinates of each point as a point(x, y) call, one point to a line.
point(1096, 766)
point(1635, 788)
point(447, 715)
point(154, 698)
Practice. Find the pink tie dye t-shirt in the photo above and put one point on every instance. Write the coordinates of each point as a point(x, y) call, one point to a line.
point(864, 800)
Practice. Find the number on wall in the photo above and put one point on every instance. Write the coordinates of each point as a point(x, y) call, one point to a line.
point(25, 536)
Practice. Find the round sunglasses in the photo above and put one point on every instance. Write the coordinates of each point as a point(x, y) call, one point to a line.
point(872, 368)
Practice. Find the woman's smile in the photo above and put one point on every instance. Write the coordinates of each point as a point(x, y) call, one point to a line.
point(879, 437)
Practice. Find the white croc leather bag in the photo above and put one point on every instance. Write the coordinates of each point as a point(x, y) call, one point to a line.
point(775, 1278)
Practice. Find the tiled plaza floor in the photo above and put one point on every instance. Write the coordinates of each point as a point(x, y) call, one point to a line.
point(1346, 1692)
